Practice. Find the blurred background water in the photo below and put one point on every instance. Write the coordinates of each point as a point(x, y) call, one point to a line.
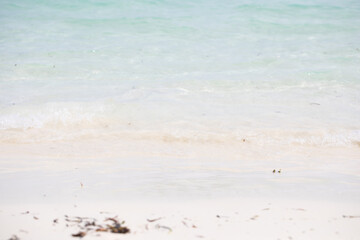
point(282, 72)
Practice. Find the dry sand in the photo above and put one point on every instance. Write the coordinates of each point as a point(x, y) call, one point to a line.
point(206, 219)
point(179, 191)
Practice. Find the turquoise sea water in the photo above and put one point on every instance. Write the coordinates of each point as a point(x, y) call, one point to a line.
point(283, 72)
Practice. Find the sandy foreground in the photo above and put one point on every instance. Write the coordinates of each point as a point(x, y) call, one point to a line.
point(206, 219)
point(53, 191)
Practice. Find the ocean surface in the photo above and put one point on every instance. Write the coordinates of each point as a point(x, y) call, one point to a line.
point(271, 72)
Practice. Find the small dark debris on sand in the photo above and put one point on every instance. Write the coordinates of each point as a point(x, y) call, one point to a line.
point(350, 216)
point(75, 219)
point(153, 220)
point(79, 234)
point(101, 230)
point(116, 227)
point(87, 225)
point(188, 225)
point(14, 237)
point(163, 227)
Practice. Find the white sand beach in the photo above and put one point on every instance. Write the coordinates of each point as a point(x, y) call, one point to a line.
point(206, 119)
point(176, 191)
point(207, 219)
